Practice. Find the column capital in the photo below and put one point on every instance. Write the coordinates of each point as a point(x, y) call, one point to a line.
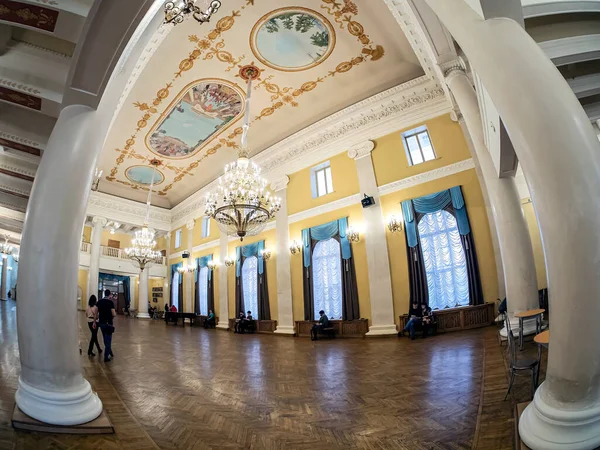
point(190, 224)
point(361, 150)
point(168, 235)
point(102, 221)
point(453, 68)
point(280, 183)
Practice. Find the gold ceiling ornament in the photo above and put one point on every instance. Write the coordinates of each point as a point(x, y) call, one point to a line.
point(142, 251)
point(243, 204)
point(177, 10)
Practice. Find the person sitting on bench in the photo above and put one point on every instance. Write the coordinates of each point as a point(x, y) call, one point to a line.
point(427, 319)
point(319, 327)
point(416, 317)
point(238, 323)
point(210, 320)
point(173, 308)
point(247, 323)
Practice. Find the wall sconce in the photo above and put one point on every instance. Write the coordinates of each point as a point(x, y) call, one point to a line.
point(181, 270)
point(394, 225)
point(294, 247)
point(229, 262)
point(212, 264)
point(352, 235)
point(96, 182)
point(265, 254)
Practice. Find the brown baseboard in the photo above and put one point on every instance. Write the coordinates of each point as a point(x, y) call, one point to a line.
point(101, 425)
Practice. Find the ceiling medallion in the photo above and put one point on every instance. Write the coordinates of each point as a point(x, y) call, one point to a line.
point(177, 10)
point(243, 205)
point(142, 251)
point(292, 39)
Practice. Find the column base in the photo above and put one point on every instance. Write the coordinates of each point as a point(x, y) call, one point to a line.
point(285, 330)
point(72, 407)
point(142, 315)
point(382, 330)
point(223, 325)
point(544, 426)
point(529, 327)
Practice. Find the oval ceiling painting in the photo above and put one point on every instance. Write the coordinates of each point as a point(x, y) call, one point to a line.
point(202, 111)
point(143, 175)
point(292, 39)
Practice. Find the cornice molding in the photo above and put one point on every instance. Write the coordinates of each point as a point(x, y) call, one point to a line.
point(280, 183)
point(326, 208)
point(127, 211)
point(19, 140)
point(425, 177)
point(10, 213)
point(361, 150)
point(399, 107)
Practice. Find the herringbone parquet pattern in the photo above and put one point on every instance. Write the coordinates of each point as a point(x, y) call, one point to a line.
point(190, 388)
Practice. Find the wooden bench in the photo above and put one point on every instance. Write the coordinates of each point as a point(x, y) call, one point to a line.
point(461, 318)
point(260, 326)
point(329, 332)
point(343, 328)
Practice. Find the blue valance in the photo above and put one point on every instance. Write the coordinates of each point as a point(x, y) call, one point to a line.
point(432, 203)
point(174, 268)
point(203, 262)
point(324, 232)
point(247, 251)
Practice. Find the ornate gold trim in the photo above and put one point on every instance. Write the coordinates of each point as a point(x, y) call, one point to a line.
point(263, 19)
point(156, 183)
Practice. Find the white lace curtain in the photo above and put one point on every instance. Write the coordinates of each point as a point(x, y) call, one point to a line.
point(444, 259)
point(175, 290)
point(327, 278)
point(203, 290)
point(250, 285)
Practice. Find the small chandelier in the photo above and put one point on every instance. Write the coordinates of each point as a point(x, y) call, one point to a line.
point(212, 264)
point(177, 10)
point(352, 235)
point(5, 248)
point(265, 254)
point(242, 205)
point(96, 182)
point(190, 269)
point(142, 251)
point(229, 262)
point(394, 225)
point(16, 256)
point(294, 248)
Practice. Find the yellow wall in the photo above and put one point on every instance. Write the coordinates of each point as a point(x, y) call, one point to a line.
point(269, 238)
point(123, 238)
point(82, 280)
point(390, 161)
point(345, 183)
point(197, 238)
point(479, 227)
point(184, 238)
point(87, 234)
point(536, 242)
point(156, 282)
point(161, 243)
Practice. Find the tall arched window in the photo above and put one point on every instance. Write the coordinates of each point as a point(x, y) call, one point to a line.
point(175, 290)
point(444, 259)
point(203, 290)
point(327, 278)
point(250, 285)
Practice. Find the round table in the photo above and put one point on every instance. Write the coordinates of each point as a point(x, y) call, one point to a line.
point(530, 314)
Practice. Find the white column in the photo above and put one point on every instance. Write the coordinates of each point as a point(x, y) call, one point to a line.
point(378, 263)
point(560, 156)
point(189, 276)
point(167, 291)
point(285, 315)
point(98, 224)
point(143, 295)
point(51, 385)
point(4, 288)
point(223, 287)
point(132, 281)
point(513, 234)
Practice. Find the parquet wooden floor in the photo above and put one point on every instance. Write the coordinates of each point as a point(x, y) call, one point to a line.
point(190, 388)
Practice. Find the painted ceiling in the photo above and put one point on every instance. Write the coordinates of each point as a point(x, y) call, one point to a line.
point(184, 113)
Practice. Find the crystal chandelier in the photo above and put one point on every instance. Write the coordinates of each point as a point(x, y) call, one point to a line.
point(177, 10)
point(142, 251)
point(5, 248)
point(242, 205)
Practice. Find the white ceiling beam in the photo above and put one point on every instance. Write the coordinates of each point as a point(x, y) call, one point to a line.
point(573, 49)
point(537, 8)
point(25, 126)
point(593, 111)
point(585, 86)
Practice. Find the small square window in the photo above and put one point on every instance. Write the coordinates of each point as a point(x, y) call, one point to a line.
point(321, 180)
point(205, 226)
point(178, 239)
point(418, 146)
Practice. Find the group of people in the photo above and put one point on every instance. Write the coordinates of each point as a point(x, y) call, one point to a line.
point(100, 314)
point(244, 322)
point(418, 315)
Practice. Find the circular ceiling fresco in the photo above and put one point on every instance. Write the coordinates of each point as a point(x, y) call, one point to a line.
point(292, 39)
point(143, 175)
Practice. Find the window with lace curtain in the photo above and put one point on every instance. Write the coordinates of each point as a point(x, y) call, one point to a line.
point(175, 290)
point(203, 290)
point(250, 285)
point(327, 278)
point(444, 260)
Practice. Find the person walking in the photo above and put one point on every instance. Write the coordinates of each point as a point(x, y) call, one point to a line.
point(92, 320)
point(106, 312)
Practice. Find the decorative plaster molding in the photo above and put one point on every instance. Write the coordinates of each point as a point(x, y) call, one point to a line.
point(421, 178)
point(402, 106)
point(127, 211)
point(17, 169)
point(12, 206)
point(11, 235)
point(451, 67)
point(20, 140)
point(280, 183)
point(45, 50)
point(99, 220)
point(190, 224)
point(361, 150)
point(19, 86)
point(10, 213)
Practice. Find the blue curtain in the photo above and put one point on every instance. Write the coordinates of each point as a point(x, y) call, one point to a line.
point(203, 262)
point(324, 232)
point(174, 267)
point(247, 251)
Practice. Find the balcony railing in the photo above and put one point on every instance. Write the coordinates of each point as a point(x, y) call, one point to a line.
point(85, 247)
point(111, 252)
